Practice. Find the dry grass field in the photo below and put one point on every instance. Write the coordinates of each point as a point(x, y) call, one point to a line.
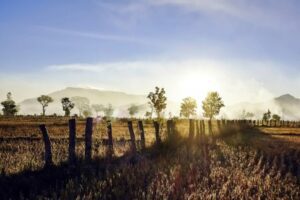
point(248, 163)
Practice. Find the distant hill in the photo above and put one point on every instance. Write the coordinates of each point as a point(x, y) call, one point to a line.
point(120, 101)
point(287, 106)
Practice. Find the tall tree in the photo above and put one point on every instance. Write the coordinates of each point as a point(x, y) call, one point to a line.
point(67, 105)
point(97, 108)
point(267, 116)
point(44, 100)
point(212, 105)
point(188, 107)
point(158, 100)
point(133, 110)
point(246, 115)
point(9, 106)
point(81, 103)
point(276, 117)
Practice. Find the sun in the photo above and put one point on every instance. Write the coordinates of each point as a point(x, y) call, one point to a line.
point(197, 85)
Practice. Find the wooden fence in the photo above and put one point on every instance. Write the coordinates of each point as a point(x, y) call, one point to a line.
point(197, 130)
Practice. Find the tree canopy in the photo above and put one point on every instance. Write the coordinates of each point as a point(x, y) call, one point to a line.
point(44, 100)
point(67, 105)
point(158, 100)
point(133, 110)
point(276, 117)
point(9, 106)
point(267, 116)
point(188, 107)
point(212, 105)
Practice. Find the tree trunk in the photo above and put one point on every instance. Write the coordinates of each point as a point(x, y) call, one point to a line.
point(44, 110)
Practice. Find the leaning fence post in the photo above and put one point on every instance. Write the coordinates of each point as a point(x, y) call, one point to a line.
point(142, 132)
point(202, 129)
point(219, 126)
point(197, 130)
point(72, 140)
point(192, 129)
point(169, 127)
point(110, 139)
point(173, 127)
point(157, 136)
point(88, 138)
point(48, 153)
point(132, 137)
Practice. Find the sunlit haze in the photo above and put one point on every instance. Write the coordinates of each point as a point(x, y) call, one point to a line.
point(247, 51)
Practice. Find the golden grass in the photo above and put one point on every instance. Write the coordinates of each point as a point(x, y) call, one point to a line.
point(254, 163)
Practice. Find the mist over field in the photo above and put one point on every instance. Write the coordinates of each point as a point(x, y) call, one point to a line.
point(253, 88)
point(286, 106)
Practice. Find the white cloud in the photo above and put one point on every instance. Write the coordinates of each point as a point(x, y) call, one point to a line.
point(76, 67)
point(255, 11)
point(98, 67)
point(124, 8)
point(98, 36)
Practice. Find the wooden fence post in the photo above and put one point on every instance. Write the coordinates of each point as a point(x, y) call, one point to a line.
point(88, 138)
point(169, 127)
point(202, 128)
point(47, 142)
point(157, 136)
point(192, 129)
point(198, 130)
point(72, 140)
point(110, 140)
point(132, 137)
point(219, 125)
point(223, 123)
point(173, 127)
point(142, 132)
point(210, 128)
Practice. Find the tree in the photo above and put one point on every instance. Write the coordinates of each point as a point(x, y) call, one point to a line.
point(158, 100)
point(108, 111)
point(212, 105)
point(249, 115)
point(44, 100)
point(97, 108)
point(148, 115)
point(188, 107)
point(267, 116)
point(9, 106)
point(246, 115)
point(67, 105)
point(132, 110)
point(81, 103)
point(276, 117)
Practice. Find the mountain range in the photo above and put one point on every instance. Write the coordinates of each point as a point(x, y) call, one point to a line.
point(286, 106)
point(119, 100)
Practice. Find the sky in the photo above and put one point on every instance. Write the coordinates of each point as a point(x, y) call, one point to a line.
point(245, 50)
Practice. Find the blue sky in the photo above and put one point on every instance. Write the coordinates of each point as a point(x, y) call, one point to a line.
point(234, 46)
